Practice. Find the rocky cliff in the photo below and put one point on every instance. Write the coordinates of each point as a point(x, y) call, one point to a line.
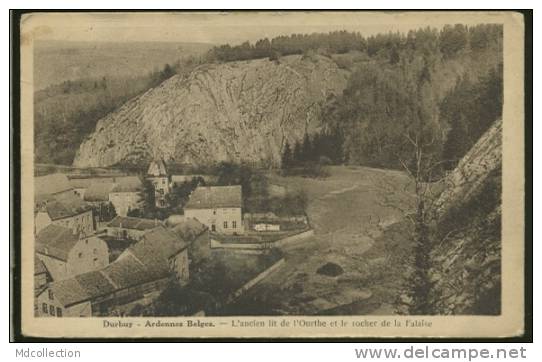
point(238, 111)
point(467, 258)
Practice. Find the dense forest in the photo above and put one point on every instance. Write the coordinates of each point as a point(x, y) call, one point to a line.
point(443, 85)
point(337, 42)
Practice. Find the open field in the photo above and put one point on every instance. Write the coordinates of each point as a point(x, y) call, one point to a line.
point(356, 228)
point(59, 61)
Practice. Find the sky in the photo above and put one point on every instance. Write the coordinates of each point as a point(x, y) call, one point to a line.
point(232, 28)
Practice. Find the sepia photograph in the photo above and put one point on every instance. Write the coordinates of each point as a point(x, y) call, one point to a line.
point(272, 174)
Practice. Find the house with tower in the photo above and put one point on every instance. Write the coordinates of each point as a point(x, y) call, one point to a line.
point(158, 175)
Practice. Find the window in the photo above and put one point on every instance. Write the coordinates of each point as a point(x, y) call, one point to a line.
point(234, 224)
point(51, 310)
point(80, 255)
point(58, 312)
point(50, 294)
point(213, 227)
point(214, 212)
point(44, 308)
point(225, 224)
point(95, 251)
point(86, 241)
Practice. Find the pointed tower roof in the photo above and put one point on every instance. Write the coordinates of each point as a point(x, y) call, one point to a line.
point(157, 168)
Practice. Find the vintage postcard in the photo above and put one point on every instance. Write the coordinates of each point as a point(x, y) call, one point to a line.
point(272, 174)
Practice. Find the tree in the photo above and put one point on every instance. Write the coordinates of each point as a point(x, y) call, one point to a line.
point(306, 149)
point(297, 154)
point(105, 212)
point(147, 200)
point(180, 193)
point(421, 164)
point(394, 56)
point(453, 39)
point(286, 160)
point(167, 72)
point(469, 109)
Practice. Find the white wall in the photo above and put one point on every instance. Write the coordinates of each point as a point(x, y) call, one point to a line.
point(87, 255)
point(218, 217)
point(94, 256)
point(41, 220)
point(124, 202)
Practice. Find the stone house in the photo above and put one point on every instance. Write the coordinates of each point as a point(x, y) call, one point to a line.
point(66, 210)
point(138, 276)
point(126, 194)
point(65, 254)
point(130, 228)
point(217, 207)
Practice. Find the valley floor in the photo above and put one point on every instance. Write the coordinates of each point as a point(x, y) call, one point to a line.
point(357, 214)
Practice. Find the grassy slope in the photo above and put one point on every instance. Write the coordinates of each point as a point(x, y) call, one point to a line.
point(349, 212)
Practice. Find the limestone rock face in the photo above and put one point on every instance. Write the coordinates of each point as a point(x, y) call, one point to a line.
point(483, 159)
point(467, 257)
point(238, 111)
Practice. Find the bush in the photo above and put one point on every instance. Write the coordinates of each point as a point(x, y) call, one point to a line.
point(343, 63)
point(310, 169)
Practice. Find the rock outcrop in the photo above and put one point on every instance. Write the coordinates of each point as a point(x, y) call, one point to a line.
point(473, 170)
point(467, 258)
point(238, 111)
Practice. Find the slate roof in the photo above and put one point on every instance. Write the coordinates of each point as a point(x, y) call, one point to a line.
point(99, 191)
point(63, 206)
point(95, 283)
point(128, 184)
point(85, 182)
point(56, 241)
point(69, 291)
point(135, 223)
point(39, 267)
point(51, 184)
point(212, 197)
point(158, 243)
point(128, 271)
point(157, 168)
point(189, 229)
